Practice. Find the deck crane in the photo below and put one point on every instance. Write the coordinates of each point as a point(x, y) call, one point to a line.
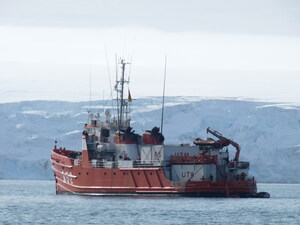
point(233, 143)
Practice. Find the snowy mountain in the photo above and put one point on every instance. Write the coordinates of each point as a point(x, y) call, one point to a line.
point(268, 133)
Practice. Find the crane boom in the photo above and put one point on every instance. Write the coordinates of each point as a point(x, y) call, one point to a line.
point(233, 143)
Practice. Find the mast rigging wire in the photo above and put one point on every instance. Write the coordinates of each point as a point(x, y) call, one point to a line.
point(110, 86)
point(90, 85)
point(117, 84)
point(163, 103)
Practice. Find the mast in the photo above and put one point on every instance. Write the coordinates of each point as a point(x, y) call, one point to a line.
point(120, 90)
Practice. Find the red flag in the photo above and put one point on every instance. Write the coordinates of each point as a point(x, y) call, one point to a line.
point(129, 97)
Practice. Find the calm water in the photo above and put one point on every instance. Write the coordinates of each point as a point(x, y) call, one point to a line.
point(35, 202)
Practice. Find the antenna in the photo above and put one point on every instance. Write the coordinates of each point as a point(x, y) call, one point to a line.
point(163, 103)
point(103, 96)
point(130, 69)
point(90, 85)
point(108, 71)
point(116, 88)
point(133, 46)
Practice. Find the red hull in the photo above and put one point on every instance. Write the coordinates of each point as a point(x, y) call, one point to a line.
point(87, 180)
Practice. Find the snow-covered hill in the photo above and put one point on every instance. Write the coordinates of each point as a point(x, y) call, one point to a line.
point(269, 134)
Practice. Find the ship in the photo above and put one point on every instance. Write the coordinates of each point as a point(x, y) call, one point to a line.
point(114, 160)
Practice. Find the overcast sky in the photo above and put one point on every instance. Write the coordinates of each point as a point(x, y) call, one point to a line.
point(215, 48)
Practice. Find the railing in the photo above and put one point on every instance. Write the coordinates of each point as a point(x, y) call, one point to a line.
point(200, 159)
point(63, 151)
point(115, 164)
point(103, 164)
point(76, 162)
point(148, 163)
point(238, 165)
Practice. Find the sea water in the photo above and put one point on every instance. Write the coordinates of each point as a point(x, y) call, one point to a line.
point(35, 202)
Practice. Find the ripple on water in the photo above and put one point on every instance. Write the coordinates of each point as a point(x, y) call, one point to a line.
point(25, 202)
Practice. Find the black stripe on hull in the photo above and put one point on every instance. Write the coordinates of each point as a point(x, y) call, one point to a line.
point(161, 194)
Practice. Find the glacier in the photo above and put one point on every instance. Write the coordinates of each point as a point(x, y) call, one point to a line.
point(268, 132)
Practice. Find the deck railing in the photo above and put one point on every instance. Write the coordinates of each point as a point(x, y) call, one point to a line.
point(148, 163)
point(104, 164)
point(76, 162)
point(115, 164)
point(200, 159)
point(238, 165)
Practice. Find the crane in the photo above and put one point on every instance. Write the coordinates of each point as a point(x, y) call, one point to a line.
point(233, 143)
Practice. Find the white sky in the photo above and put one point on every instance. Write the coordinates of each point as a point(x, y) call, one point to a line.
point(215, 48)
